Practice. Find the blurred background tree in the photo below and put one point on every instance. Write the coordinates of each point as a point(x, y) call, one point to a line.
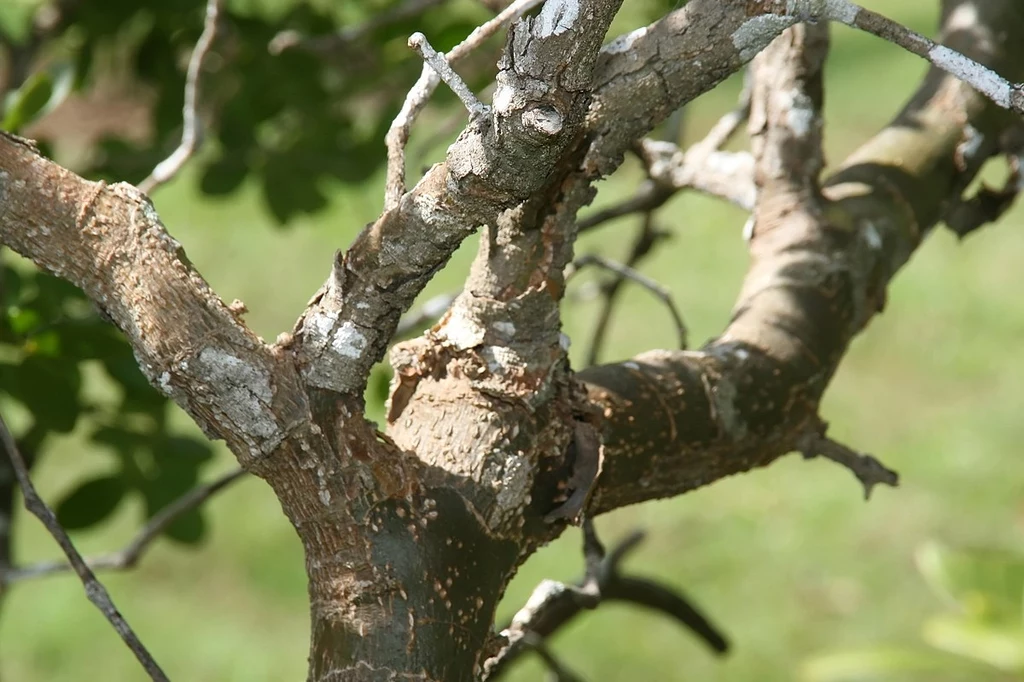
point(296, 100)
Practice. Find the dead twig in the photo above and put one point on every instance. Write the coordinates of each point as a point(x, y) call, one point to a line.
point(446, 73)
point(644, 243)
point(94, 589)
point(127, 557)
point(416, 100)
point(868, 470)
point(192, 127)
point(646, 239)
point(1000, 91)
point(553, 604)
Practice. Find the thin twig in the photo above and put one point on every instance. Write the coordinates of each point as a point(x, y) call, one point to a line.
point(868, 470)
point(438, 63)
point(647, 237)
point(129, 555)
point(660, 292)
point(703, 167)
point(94, 589)
point(1000, 91)
point(559, 673)
point(649, 196)
point(416, 100)
point(554, 604)
point(192, 128)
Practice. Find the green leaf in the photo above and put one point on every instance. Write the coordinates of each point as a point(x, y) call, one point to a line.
point(91, 502)
point(188, 529)
point(25, 103)
point(23, 320)
point(881, 663)
point(48, 387)
point(41, 93)
point(987, 584)
point(1000, 647)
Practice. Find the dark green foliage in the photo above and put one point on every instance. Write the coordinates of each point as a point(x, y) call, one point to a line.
point(49, 333)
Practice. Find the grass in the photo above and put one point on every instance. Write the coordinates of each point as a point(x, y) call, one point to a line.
point(788, 559)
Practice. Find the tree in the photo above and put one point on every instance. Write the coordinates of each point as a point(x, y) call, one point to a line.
point(493, 443)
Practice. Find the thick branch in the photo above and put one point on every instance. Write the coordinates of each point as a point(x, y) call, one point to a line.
point(499, 161)
point(108, 241)
point(679, 420)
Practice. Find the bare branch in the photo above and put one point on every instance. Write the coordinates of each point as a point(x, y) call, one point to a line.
point(627, 272)
point(728, 175)
point(398, 134)
point(868, 470)
point(192, 126)
point(94, 589)
point(553, 604)
point(999, 90)
point(109, 241)
point(446, 73)
point(703, 167)
point(349, 324)
point(649, 196)
point(128, 557)
point(646, 239)
point(816, 279)
point(785, 123)
point(559, 673)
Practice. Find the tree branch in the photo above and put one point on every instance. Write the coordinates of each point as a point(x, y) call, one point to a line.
point(129, 555)
point(678, 420)
point(554, 605)
point(108, 241)
point(348, 326)
point(416, 100)
point(192, 126)
point(94, 589)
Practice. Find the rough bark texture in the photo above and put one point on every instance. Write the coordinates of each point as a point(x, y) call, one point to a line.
point(411, 537)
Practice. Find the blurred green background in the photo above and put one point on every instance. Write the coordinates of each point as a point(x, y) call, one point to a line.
point(789, 560)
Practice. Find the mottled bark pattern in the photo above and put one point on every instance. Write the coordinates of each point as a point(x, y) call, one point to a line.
point(412, 535)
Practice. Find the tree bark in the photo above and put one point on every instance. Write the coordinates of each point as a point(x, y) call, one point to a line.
point(411, 537)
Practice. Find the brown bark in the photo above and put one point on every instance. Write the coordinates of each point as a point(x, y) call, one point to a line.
point(411, 538)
